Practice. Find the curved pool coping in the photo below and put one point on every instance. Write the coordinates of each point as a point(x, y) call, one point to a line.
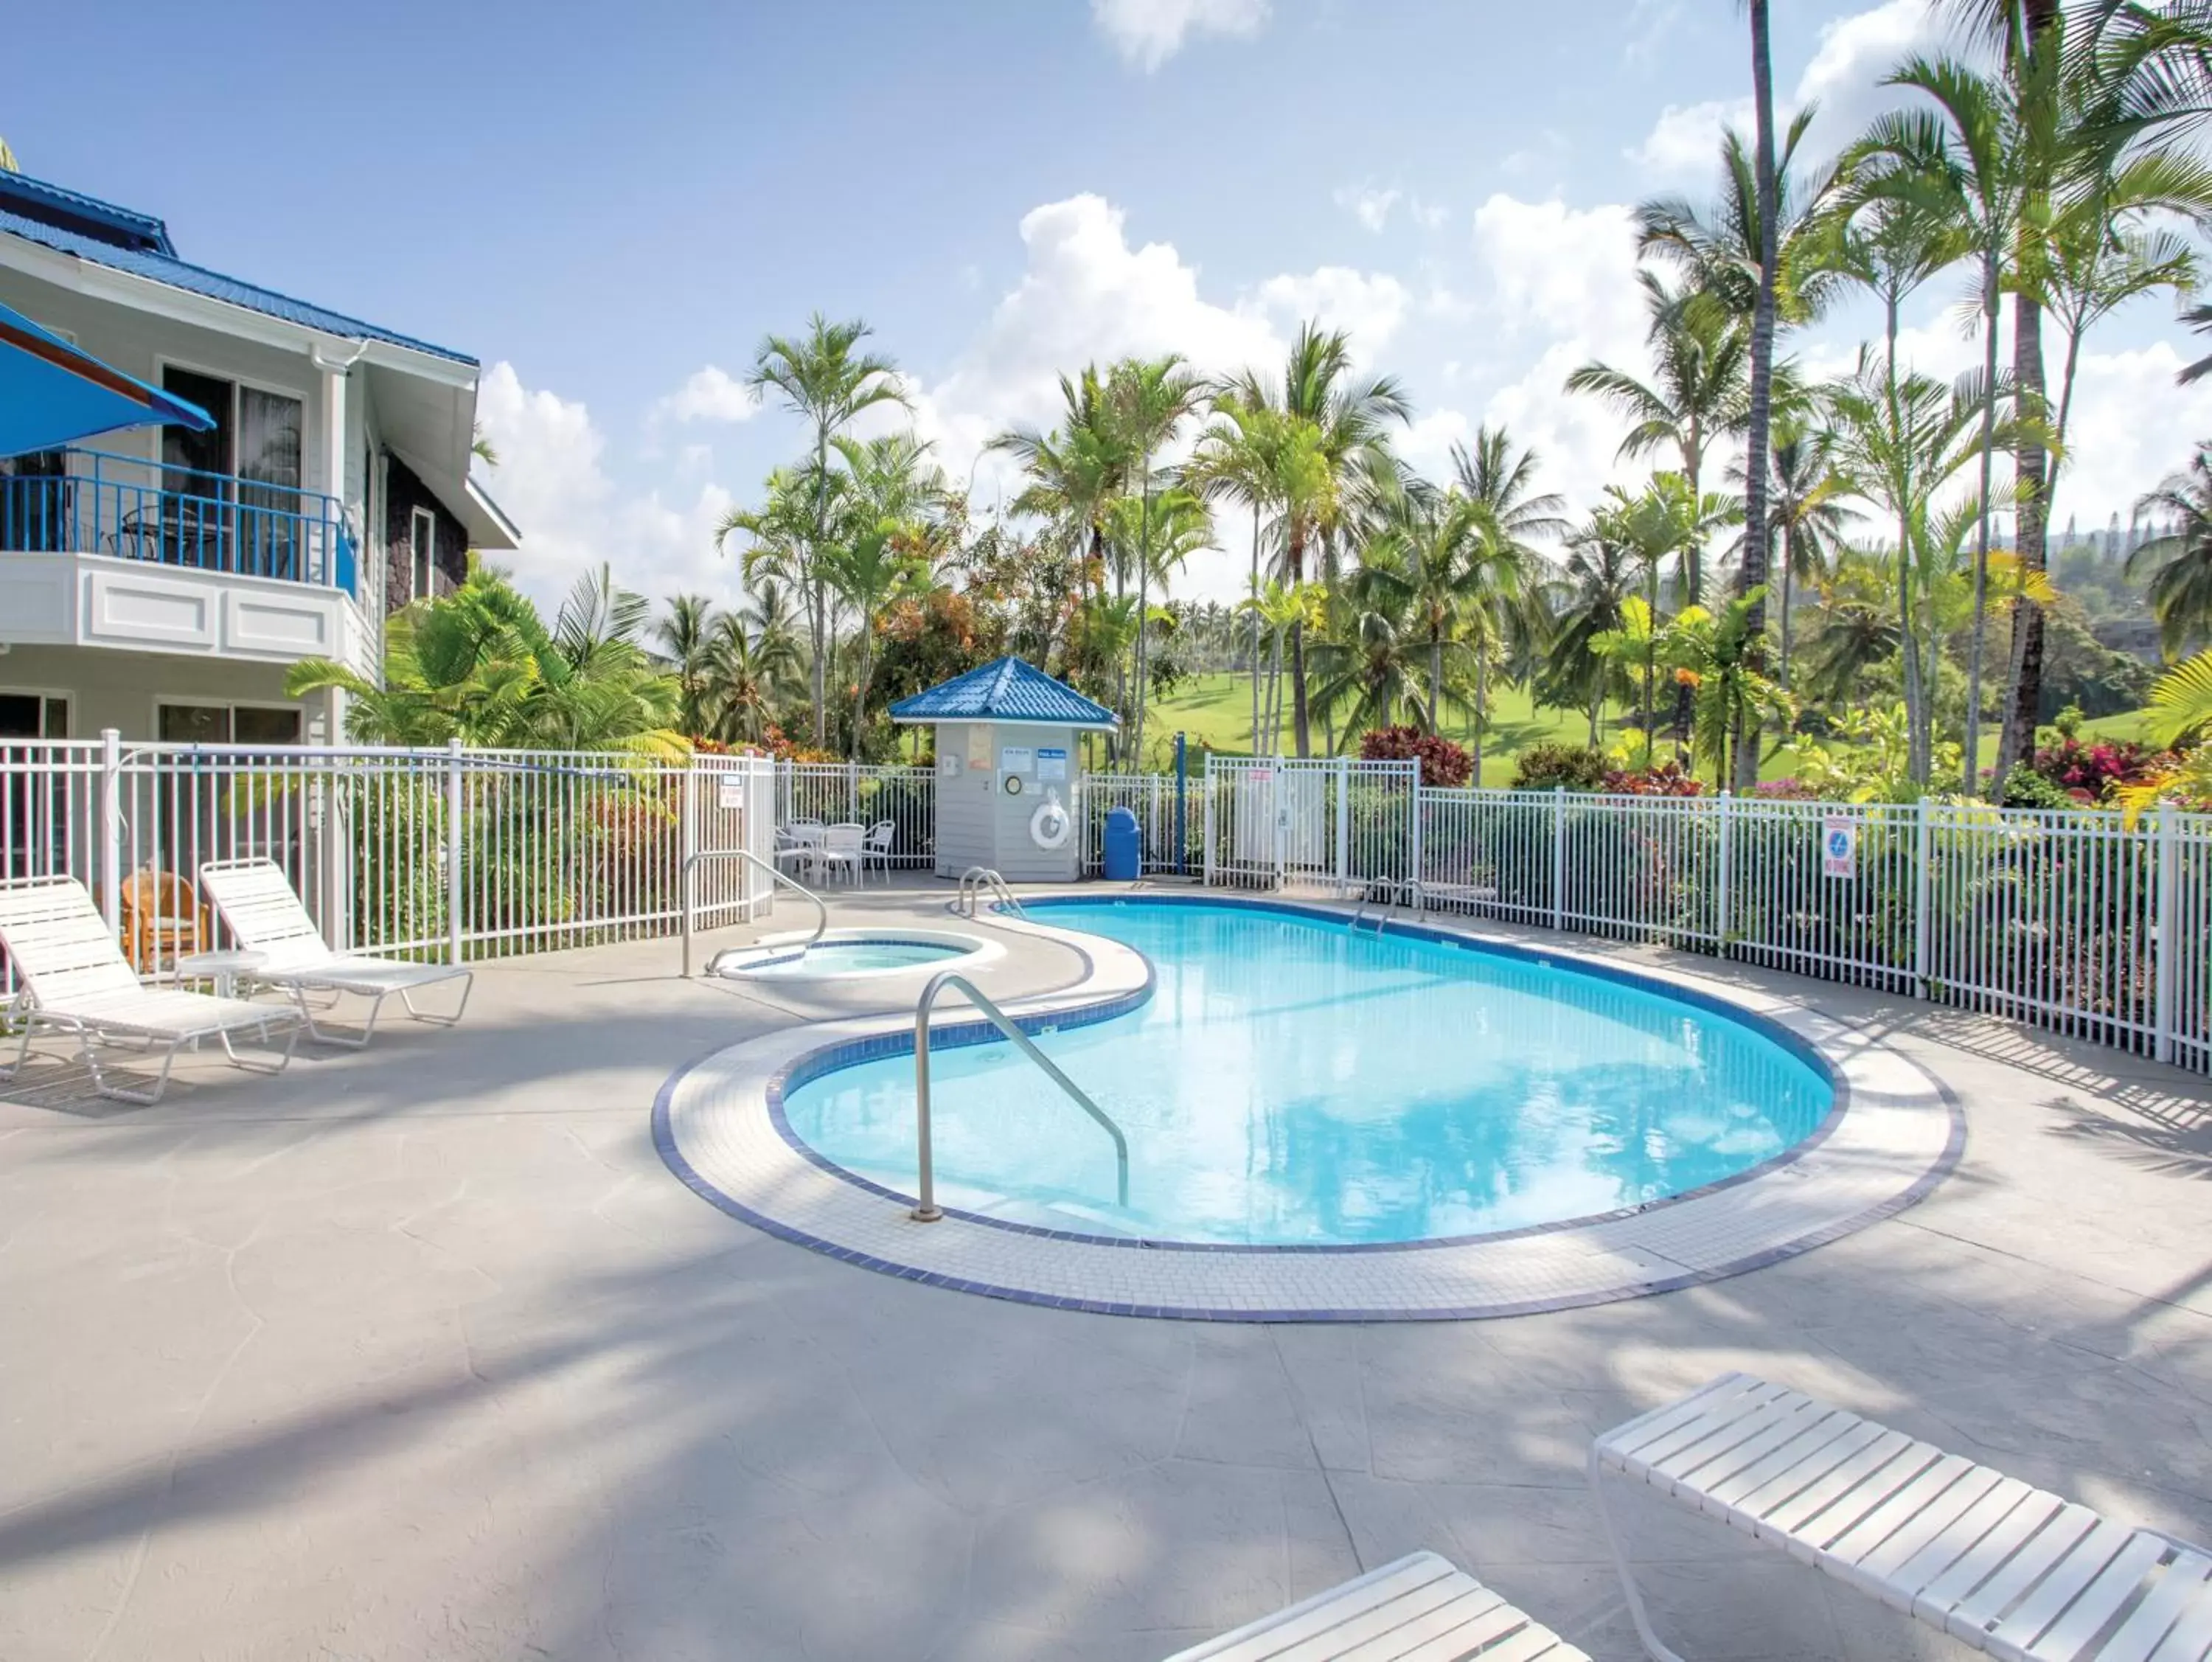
point(1892, 1134)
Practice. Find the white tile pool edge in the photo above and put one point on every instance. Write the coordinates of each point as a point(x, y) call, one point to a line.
point(1897, 1136)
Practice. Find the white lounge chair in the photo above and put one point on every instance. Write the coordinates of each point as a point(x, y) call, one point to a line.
point(2008, 1569)
point(841, 847)
point(75, 980)
point(1418, 1610)
point(877, 846)
point(264, 916)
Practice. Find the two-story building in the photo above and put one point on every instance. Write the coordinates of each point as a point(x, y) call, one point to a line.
point(161, 581)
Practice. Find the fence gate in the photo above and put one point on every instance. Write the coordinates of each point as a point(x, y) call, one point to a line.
point(1329, 822)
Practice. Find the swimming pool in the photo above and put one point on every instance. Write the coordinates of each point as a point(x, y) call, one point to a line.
point(1291, 1082)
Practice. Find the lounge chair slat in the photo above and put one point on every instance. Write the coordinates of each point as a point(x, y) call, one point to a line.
point(2011, 1570)
point(1795, 1480)
point(2094, 1607)
point(2183, 1579)
point(1980, 1610)
point(1626, 1438)
point(1420, 1609)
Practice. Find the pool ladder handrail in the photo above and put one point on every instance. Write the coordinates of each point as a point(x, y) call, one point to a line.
point(927, 1209)
point(974, 881)
point(691, 863)
point(1387, 887)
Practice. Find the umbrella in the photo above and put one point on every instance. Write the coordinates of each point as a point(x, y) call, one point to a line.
point(51, 393)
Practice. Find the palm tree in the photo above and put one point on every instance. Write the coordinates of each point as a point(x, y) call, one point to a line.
point(1242, 457)
point(1697, 396)
point(1898, 440)
point(1598, 579)
point(866, 568)
point(1855, 628)
point(1150, 400)
point(751, 669)
point(1368, 666)
point(1805, 510)
point(1419, 567)
point(1349, 422)
point(824, 379)
point(1733, 698)
point(1489, 473)
point(1075, 471)
point(684, 635)
point(2180, 563)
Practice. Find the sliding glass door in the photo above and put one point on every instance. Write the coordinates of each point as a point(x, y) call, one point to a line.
point(230, 496)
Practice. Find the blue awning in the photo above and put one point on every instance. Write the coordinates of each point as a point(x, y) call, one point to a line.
point(52, 394)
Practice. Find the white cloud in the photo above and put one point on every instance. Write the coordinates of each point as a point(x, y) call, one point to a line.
point(1843, 78)
point(552, 479)
point(1148, 33)
point(711, 394)
point(1367, 307)
point(1371, 207)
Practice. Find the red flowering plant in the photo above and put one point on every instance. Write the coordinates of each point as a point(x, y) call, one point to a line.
point(1443, 763)
point(1667, 779)
point(2086, 771)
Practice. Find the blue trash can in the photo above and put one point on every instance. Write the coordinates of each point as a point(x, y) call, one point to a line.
point(1124, 847)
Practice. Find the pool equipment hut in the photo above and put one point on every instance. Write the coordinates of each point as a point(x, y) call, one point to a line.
point(1007, 769)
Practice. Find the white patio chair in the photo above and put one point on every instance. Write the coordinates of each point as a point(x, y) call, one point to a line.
point(1418, 1610)
point(799, 842)
point(265, 917)
point(2010, 1570)
point(75, 980)
point(876, 847)
point(843, 848)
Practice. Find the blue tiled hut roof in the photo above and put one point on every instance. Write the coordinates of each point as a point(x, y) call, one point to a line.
point(71, 223)
point(1004, 690)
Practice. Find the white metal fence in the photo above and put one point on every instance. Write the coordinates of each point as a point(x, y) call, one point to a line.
point(902, 799)
point(453, 854)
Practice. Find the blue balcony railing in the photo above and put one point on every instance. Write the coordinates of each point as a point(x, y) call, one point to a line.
point(135, 510)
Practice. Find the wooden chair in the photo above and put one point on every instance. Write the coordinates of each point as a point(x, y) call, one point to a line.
point(163, 920)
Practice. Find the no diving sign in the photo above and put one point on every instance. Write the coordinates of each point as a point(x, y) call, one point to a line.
point(1839, 846)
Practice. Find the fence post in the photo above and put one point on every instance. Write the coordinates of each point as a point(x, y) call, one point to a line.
point(454, 850)
point(1208, 880)
point(1343, 825)
point(2166, 963)
point(111, 829)
point(687, 841)
point(1721, 890)
point(1560, 857)
point(852, 790)
point(1417, 892)
point(1923, 894)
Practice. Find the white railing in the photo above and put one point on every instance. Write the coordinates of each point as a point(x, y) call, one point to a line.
point(450, 854)
point(852, 793)
point(1153, 798)
point(1340, 824)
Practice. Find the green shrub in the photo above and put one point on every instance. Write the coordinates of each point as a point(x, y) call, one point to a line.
point(1578, 767)
point(2024, 787)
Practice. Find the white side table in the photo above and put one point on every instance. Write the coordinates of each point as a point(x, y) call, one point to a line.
point(222, 968)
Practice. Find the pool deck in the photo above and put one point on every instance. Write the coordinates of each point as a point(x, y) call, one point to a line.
point(424, 1352)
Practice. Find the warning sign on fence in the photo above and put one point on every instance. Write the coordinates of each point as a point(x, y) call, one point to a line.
point(1839, 846)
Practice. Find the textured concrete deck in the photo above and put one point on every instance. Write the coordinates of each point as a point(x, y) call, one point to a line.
point(422, 1352)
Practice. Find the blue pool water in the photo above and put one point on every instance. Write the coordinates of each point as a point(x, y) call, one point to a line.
point(1292, 1082)
point(833, 958)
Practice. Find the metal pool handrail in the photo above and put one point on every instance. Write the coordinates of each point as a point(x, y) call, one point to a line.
point(972, 884)
point(927, 1211)
point(690, 864)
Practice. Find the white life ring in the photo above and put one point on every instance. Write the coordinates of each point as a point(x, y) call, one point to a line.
point(1051, 825)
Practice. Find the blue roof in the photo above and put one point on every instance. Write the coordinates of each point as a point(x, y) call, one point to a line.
point(1004, 690)
point(126, 241)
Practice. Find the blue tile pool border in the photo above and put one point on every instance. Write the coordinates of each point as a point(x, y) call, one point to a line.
point(828, 1058)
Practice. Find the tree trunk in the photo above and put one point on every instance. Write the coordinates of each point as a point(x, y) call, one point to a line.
point(1908, 649)
point(2017, 742)
point(1435, 682)
point(1255, 627)
point(1481, 700)
point(1301, 718)
point(1756, 531)
point(1788, 576)
point(1974, 737)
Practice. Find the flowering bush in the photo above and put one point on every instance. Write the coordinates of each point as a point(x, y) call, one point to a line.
point(1785, 790)
point(1443, 763)
point(2086, 771)
point(1667, 779)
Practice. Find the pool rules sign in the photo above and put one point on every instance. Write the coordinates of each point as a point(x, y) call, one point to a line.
point(1839, 846)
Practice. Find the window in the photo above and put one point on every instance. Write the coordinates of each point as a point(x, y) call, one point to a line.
point(35, 810)
point(229, 724)
point(422, 536)
point(33, 715)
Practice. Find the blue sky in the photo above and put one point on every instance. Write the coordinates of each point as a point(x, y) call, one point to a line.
point(610, 213)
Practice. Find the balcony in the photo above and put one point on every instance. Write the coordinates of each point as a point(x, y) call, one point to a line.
point(120, 552)
point(129, 509)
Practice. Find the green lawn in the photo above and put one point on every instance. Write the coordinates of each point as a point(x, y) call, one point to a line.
point(1217, 709)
